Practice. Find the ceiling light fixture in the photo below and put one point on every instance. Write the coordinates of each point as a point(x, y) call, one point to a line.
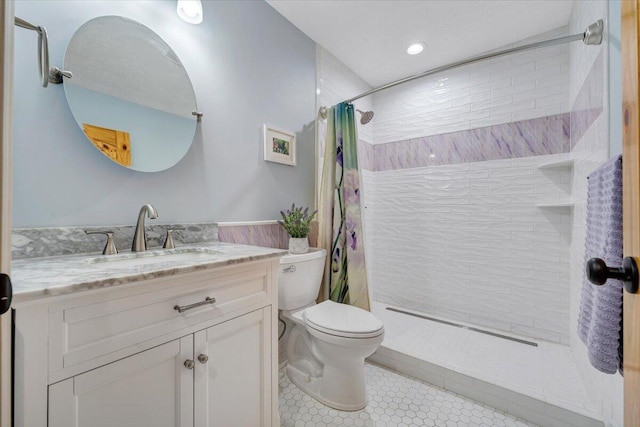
point(416, 48)
point(190, 11)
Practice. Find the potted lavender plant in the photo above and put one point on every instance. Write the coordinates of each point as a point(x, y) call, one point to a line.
point(297, 223)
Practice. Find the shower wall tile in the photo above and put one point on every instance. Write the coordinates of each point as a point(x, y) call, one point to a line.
point(366, 159)
point(336, 83)
point(525, 138)
point(466, 240)
point(523, 86)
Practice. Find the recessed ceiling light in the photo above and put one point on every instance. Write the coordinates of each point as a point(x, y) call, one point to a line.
point(416, 48)
point(190, 11)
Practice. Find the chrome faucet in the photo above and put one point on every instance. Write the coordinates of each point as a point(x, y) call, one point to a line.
point(140, 237)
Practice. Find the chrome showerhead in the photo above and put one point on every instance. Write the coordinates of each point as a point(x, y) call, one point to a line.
point(365, 116)
point(323, 112)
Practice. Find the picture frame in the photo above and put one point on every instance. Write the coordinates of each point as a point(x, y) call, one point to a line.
point(279, 146)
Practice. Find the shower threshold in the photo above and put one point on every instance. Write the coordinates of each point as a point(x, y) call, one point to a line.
point(459, 325)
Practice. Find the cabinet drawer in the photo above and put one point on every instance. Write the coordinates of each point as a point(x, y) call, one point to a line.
point(89, 332)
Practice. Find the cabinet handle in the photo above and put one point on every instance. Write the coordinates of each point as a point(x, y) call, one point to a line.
point(189, 364)
point(182, 309)
point(203, 358)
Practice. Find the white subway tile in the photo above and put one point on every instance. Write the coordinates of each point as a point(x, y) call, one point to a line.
point(515, 88)
point(538, 74)
point(466, 100)
point(491, 121)
point(495, 102)
point(506, 81)
point(538, 93)
point(515, 107)
point(559, 59)
point(471, 82)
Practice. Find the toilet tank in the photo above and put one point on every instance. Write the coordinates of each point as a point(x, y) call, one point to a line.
point(299, 278)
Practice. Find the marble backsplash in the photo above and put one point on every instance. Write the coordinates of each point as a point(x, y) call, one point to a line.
point(43, 242)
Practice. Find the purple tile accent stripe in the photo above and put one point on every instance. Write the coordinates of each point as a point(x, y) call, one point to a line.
point(265, 235)
point(366, 159)
point(535, 137)
point(589, 102)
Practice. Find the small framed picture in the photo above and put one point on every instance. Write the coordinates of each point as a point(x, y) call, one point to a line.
point(279, 146)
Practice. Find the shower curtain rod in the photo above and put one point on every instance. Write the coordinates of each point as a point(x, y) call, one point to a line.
point(591, 36)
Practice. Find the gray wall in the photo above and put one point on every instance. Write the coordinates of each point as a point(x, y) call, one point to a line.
point(248, 65)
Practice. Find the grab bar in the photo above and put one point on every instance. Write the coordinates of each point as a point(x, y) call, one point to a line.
point(47, 74)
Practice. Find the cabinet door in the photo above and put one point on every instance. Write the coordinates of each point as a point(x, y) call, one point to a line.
point(152, 388)
point(233, 387)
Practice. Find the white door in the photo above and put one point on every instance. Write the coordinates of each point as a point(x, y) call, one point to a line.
point(233, 372)
point(152, 388)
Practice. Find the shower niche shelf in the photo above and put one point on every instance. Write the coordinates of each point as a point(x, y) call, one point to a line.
point(562, 164)
point(565, 169)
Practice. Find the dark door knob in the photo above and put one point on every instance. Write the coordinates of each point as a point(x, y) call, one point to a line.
point(6, 293)
point(598, 273)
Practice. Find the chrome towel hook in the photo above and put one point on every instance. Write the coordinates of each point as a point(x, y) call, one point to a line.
point(47, 74)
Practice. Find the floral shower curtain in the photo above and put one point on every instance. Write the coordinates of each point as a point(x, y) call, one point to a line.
point(340, 220)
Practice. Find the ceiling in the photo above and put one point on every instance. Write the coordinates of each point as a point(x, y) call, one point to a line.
point(371, 36)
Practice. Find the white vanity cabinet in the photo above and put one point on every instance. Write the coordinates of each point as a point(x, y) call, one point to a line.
point(124, 356)
point(151, 388)
point(233, 387)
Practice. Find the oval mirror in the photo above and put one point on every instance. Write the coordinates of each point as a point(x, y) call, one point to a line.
point(130, 94)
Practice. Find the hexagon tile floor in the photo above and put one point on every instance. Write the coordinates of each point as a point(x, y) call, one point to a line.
point(394, 401)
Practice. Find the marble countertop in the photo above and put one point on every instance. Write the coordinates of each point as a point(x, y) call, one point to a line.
point(52, 276)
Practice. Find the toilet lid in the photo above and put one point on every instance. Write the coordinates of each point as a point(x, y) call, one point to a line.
point(342, 320)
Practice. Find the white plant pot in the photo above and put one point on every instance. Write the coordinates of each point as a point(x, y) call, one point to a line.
point(298, 245)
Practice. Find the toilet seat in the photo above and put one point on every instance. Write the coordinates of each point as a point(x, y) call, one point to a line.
point(342, 320)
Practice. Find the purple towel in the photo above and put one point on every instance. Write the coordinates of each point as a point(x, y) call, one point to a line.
point(599, 320)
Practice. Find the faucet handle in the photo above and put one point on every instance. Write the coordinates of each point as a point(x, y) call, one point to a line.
point(110, 247)
point(168, 241)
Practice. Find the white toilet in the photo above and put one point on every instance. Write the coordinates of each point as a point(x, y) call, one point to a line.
point(329, 341)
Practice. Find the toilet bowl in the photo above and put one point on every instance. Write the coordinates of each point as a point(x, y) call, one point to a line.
point(329, 341)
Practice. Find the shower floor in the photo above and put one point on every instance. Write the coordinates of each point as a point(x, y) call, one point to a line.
point(540, 384)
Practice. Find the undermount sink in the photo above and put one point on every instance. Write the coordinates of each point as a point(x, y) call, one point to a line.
point(180, 255)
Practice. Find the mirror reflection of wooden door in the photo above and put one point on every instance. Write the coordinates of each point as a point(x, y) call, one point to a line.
point(6, 81)
point(115, 144)
point(631, 205)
